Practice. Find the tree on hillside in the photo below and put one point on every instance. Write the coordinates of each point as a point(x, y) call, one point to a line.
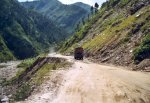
point(105, 4)
point(83, 22)
point(88, 17)
point(92, 8)
point(77, 26)
point(96, 7)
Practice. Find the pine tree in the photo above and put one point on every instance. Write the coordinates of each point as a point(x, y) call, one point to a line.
point(92, 8)
point(96, 7)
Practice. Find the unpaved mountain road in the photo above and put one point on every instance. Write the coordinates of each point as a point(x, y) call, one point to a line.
point(87, 82)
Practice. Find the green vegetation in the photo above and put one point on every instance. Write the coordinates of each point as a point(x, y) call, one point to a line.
point(26, 63)
point(38, 78)
point(33, 76)
point(22, 34)
point(5, 54)
point(114, 31)
point(143, 51)
point(104, 36)
point(23, 92)
point(79, 35)
point(107, 35)
point(123, 3)
point(66, 16)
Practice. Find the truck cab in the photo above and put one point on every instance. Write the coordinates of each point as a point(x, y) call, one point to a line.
point(78, 53)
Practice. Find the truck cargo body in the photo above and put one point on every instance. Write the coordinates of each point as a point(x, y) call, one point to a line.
point(78, 53)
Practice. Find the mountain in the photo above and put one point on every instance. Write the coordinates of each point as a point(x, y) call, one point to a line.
point(24, 33)
point(82, 5)
point(118, 34)
point(66, 16)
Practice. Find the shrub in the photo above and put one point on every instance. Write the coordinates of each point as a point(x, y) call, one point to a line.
point(143, 51)
point(123, 3)
point(26, 63)
point(23, 92)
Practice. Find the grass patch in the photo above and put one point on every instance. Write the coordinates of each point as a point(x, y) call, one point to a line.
point(26, 63)
point(23, 92)
point(45, 69)
point(39, 76)
point(108, 34)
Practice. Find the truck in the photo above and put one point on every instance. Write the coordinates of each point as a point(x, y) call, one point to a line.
point(78, 53)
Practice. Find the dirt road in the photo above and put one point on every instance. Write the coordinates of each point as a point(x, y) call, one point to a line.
point(87, 82)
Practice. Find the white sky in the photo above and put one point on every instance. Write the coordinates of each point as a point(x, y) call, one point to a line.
point(90, 2)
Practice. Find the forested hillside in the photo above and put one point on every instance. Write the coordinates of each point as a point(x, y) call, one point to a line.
point(118, 34)
point(66, 16)
point(24, 33)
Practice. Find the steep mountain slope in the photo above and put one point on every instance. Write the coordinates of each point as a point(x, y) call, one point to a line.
point(66, 16)
point(119, 34)
point(24, 33)
point(82, 5)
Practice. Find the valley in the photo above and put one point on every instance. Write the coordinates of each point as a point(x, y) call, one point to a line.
point(65, 16)
point(42, 42)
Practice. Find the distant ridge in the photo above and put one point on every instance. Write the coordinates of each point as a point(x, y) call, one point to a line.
point(66, 16)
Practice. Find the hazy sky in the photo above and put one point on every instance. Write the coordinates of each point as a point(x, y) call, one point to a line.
point(90, 2)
